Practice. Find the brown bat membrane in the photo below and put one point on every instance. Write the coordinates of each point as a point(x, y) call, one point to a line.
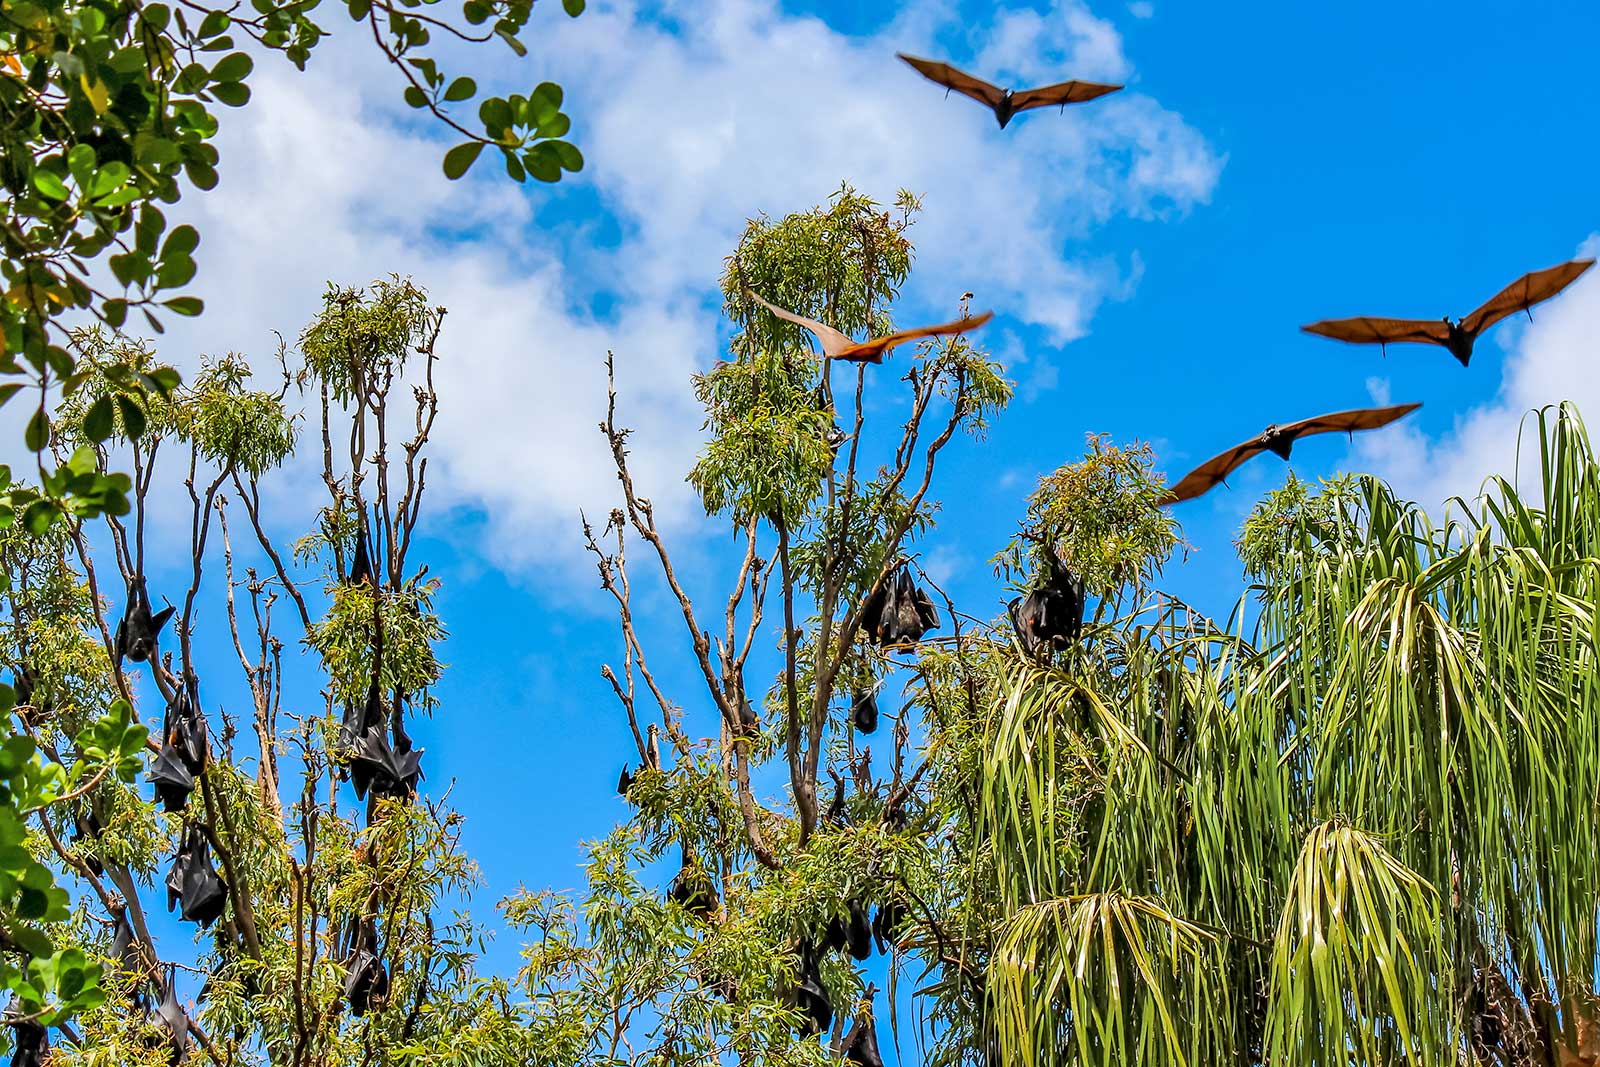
point(836, 345)
point(1456, 335)
point(1278, 440)
point(1006, 102)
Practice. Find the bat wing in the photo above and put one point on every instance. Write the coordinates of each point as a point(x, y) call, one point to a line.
point(1532, 288)
point(1073, 92)
point(872, 351)
point(1210, 474)
point(831, 340)
point(1349, 421)
point(1367, 330)
point(958, 80)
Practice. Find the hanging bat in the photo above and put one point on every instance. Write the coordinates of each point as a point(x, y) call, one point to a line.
point(835, 814)
point(748, 720)
point(693, 890)
point(31, 1039)
point(172, 779)
point(138, 630)
point(624, 782)
point(890, 917)
point(836, 345)
point(124, 943)
point(361, 572)
point(186, 726)
point(1051, 616)
point(1456, 335)
point(87, 828)
point(194, 883)
point(836, 935)
point(858, 932)
point(366, 983)
point(907, 612)
point(861, 1042)
point(376, 765)
point(1278, 440)
point(1005, 102)
point(864, 711)
point(171, 1017)
point(809, 994)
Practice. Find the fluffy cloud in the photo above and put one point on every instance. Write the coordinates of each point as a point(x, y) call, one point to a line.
point(691, 117)
point(1549, 360)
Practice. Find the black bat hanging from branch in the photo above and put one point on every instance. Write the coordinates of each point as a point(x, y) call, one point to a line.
point(366, 982)
point(1458, 335)
point(836, 345)
point(864, 711)
point(810, 996)
point(900, 612)
point(31, 1038)
point(171, 778)
point(185, 727)
point(1051, 615)
point(1279, 440)
point(194, 883)
point(1005, 103)
point(138, 629)
point(861, 1040)
point(171, 1017)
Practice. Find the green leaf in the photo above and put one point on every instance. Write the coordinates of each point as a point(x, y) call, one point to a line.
point(568, 155)
point(37, 435)
point(233, 68)
point(133, 420)
point(50, 185)
point(416, 97)
point(99, 421)
point(459, 158)
point(233, 94)
point(7, 391)
point(515, 45)
point(514, 167)
point(495, 114)
point(181, 242)
point(184, 305)
point(461, 89)
point(573, 7)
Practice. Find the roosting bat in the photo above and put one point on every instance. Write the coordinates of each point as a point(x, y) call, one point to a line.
point(864, 711)
point(1278, 440)
point(858, 932)
point(124, 943)
point(361, 561)
point(171, 778)
point(836, 345)
point(366, 982)
point(624, 782)
point(376, 765)
point(861, 1042)
point(86, 827)
point(193, 883)
point(1005, 102)
point(693, 890)
point(1456, 335)
point(900, 612)
point(32, 1039)
point(809, 995)
point(890, 917)
point(1051, 616)
point(138, 630)
point(171, 1017)
point(186, 726)
point(748, 720)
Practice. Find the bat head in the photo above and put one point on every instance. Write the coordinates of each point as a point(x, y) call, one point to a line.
point(1274, 440)
point(1459, 343)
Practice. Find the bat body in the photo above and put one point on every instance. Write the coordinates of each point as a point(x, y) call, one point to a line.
point(1006, 103)
point(366, 983)
point(890, 917)
point(138, 629)
point(376, 766)
point(1279, 440)
point(125, 943)
point(694, 891)
point(186, 728)
point(835, 345)
point(1457, 336)
point(1051, 615)
point(864, 711)
point(858, 932)
point(861, 1043)
point(361, 562)
point(194, 883)
point(900, 612)
point(171, 1017)
point(30, 1038)
point(171, 777)
point(809, 995)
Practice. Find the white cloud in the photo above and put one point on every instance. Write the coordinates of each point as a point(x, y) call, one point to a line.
point(690, 121)
point(1550, 360)
point(1142, 9)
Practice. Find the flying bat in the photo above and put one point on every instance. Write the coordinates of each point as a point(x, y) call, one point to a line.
point(1456, 335)
point(864, 711)
point(138, 630)
point(1278, 440)
point(194, 883)
point(861, 1043)
point(171, 778)
point(1006, 102)
point(30, 1037)
point(376, 765)
point(836, 345)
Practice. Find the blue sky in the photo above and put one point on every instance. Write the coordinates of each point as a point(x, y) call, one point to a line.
point(1149, 258)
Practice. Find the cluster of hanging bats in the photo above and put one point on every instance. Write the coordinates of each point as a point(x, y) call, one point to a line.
point(376, 755)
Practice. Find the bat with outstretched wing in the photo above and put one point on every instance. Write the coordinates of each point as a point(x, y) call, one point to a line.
point(836, 345)
point(1005, 103)
point(1457, 336)
point(1279, 440)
